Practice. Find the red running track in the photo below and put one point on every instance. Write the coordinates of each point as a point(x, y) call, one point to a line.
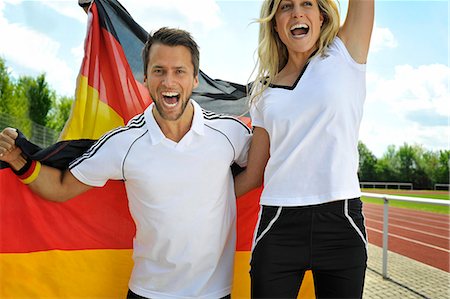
point(422, 236)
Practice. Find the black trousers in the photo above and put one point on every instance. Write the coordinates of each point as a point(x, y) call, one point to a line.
point(132, 295)
point(329, 239)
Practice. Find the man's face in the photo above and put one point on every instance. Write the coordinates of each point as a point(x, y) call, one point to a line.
point(170, 79)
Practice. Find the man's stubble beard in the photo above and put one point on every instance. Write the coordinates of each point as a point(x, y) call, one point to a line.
point(166, 117)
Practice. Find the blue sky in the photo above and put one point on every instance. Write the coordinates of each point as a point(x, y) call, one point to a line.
point(408, 74)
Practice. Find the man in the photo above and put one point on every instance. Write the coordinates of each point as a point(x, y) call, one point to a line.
point(175, 161)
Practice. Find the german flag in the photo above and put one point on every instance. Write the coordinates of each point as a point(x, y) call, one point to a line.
point(82, 248)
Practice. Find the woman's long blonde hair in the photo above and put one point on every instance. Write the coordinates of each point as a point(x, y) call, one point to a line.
point(273, 54)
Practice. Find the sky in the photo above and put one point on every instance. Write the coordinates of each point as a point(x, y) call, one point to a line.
point(408, 74)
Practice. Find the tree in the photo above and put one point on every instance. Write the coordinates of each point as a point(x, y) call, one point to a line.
point(386, 167)
point(412, 166)
point(40, 98)
point(367, 164)
point(442, 171)
point(13, 104)
point(407, 163)
point(437, 166)
point(59, 113)
point(6, 88)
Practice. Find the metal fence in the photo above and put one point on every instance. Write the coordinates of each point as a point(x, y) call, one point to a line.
point(39, 135)
point(441, 186)
point(386, 185)
point(386, 198)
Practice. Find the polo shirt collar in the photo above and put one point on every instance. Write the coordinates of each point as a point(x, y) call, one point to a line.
point(156, 135)
point(198, 122)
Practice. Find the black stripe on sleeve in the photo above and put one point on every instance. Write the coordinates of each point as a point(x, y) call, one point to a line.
point(137, 122)
point(209, 115)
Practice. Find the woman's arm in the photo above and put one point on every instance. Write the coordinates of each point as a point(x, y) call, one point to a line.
point(357, 28)
point(258, 156)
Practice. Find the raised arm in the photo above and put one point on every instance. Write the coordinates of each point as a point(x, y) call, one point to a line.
point(357, 28)
point(258, 156)
point(48, 182)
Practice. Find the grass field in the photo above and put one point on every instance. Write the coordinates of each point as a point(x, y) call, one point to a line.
point(411, 205)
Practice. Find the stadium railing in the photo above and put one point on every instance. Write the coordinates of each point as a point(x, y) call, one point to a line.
point(386, 185)
point(386, 198)
point(441, 186)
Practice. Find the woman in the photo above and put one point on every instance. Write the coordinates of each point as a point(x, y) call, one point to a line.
point(306, 111)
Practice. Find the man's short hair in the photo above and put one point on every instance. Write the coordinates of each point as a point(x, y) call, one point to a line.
point(172, 37)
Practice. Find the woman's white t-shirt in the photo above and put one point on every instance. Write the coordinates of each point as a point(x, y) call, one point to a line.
point(313, 128)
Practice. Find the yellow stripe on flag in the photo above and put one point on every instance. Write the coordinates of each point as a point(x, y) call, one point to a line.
point(241, 280)
point(60, 274)
point(90, 117)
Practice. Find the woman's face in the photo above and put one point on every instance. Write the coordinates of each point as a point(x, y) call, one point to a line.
point(298, 24)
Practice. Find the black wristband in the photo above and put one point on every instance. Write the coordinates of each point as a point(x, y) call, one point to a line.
point(24, 168)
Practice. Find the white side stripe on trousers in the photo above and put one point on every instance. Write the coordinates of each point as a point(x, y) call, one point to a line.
point(268, 226)
point(350, 219)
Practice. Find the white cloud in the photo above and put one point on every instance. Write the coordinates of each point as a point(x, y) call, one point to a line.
point(10, 1)
point(78, 52)
point(411, 89)
point(42, 58)
point(214, 35)
point(67, 8)
point(198, 16)
point(192, 15)
point(412, 107)
point(382, 38)
point(378, 134)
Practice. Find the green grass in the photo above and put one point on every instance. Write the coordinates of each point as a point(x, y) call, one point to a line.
point(412, 205)
point(433, 196)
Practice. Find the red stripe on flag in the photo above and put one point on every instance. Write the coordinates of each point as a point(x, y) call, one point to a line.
point(107, 69)
point(98, 219)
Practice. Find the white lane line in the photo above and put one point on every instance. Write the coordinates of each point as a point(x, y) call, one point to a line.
point(414, 230)
point(441, 218)
point(410, 240)
point(391, 218)
point(423, 217)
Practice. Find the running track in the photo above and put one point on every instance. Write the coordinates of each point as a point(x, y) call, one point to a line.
point(422, 236)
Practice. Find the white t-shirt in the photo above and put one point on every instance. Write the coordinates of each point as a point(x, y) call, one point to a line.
point(313, 128)
point(181, 197)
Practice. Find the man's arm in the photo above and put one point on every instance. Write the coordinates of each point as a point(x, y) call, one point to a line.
point(48, 182)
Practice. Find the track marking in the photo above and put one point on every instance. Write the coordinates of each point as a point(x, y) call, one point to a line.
point(405, 215)
point(391, 218)
point(414, 230)
point(410, 240)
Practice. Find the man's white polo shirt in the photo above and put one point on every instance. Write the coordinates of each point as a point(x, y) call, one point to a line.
point(181, 197)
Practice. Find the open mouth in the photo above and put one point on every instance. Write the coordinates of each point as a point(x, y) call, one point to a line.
point(170, 99)
point(299, 30)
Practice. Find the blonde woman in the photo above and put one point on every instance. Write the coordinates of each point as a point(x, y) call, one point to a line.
point(306, 109)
